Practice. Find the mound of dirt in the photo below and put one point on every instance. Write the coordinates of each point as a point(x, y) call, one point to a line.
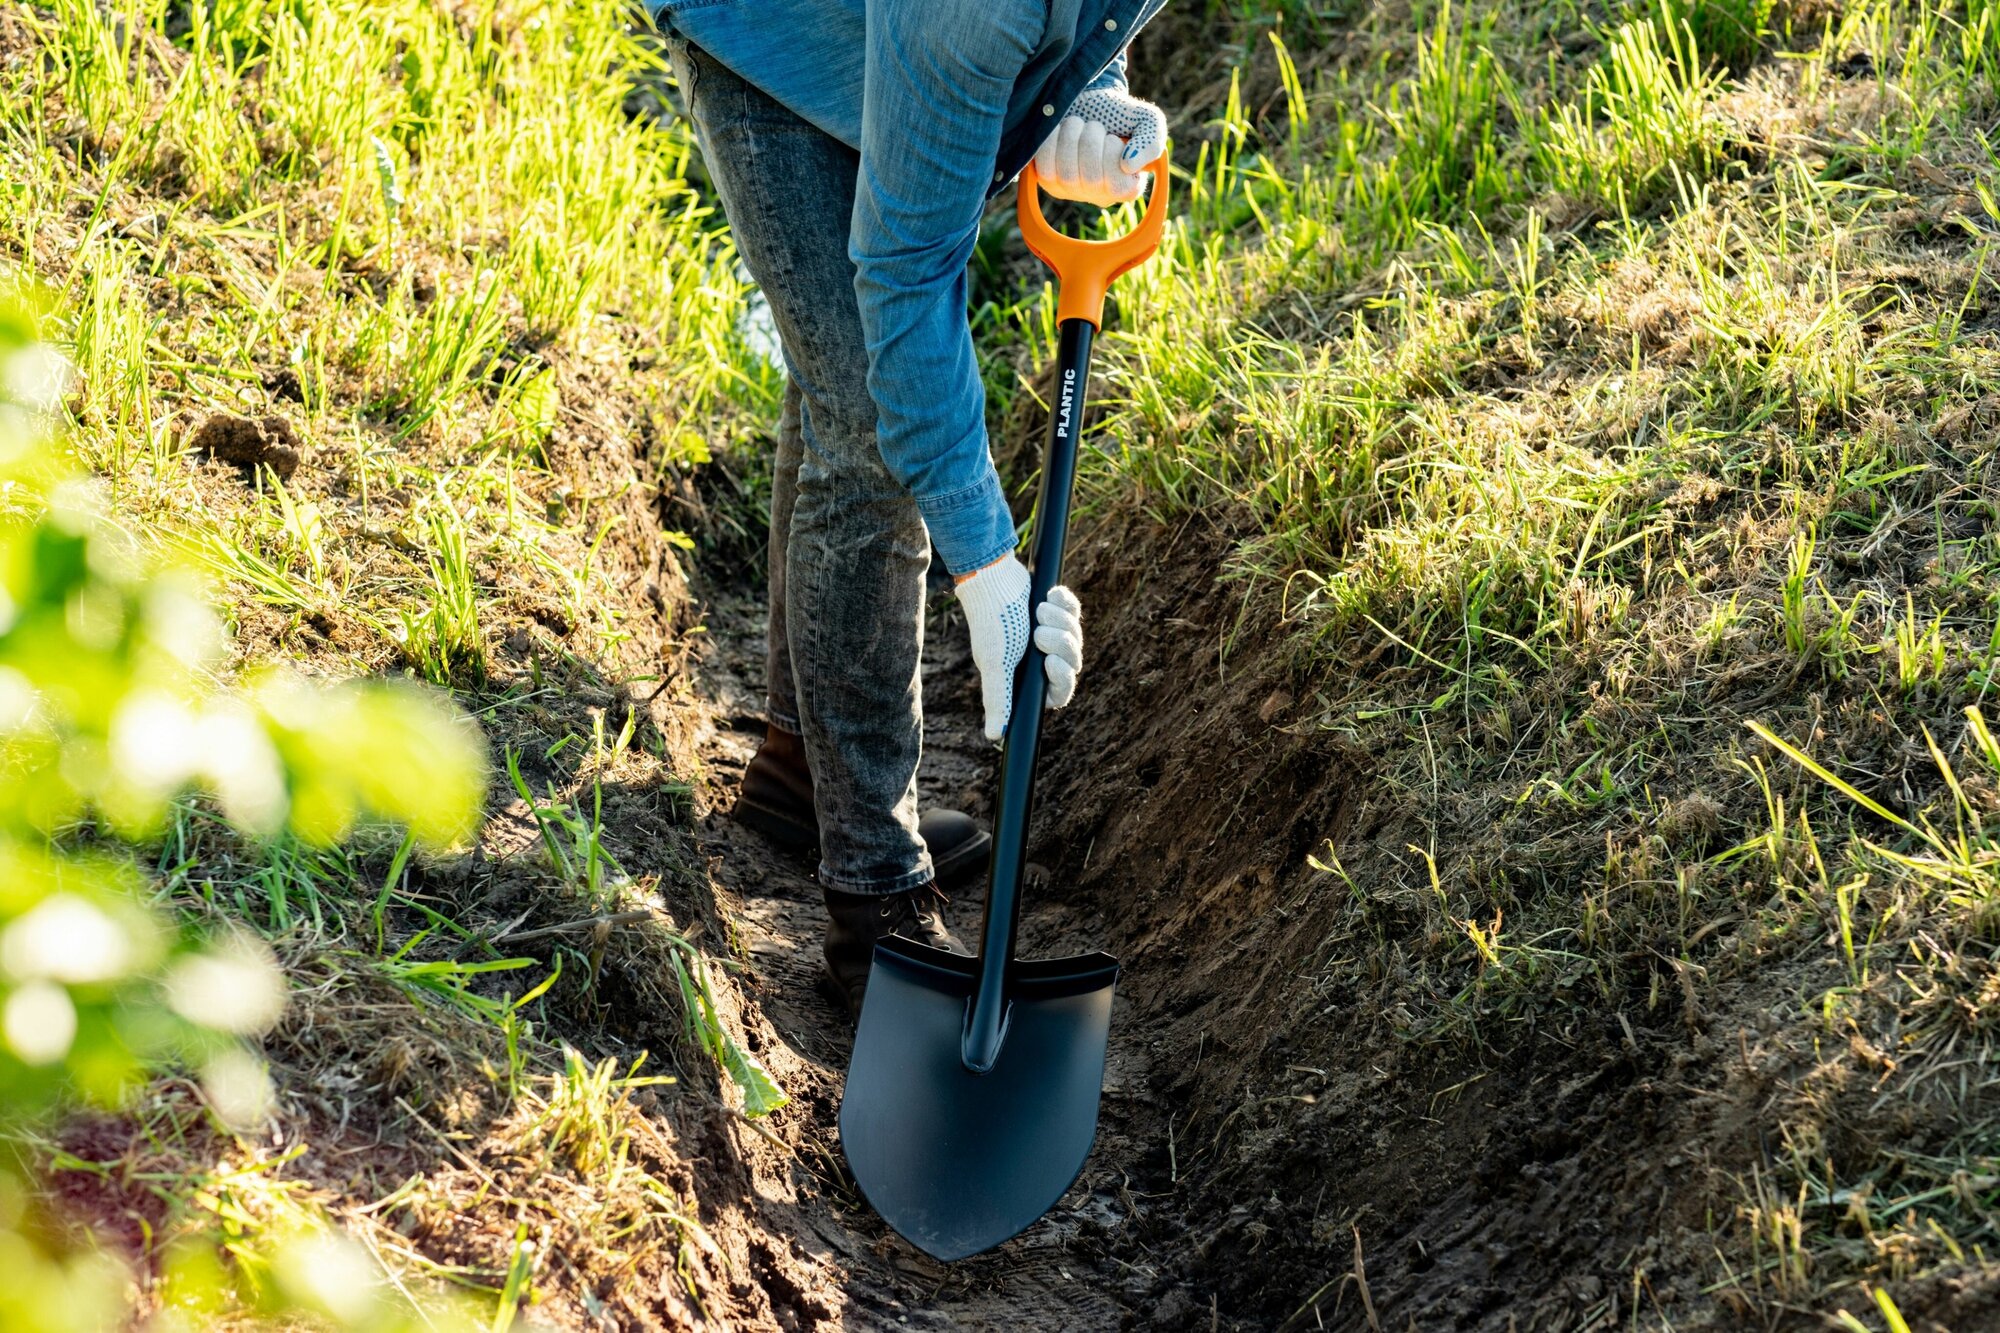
point(250, 443)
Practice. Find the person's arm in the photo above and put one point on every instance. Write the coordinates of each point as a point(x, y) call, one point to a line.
point(936, 90)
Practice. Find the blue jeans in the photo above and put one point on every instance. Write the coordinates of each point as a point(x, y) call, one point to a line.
point(849, 549)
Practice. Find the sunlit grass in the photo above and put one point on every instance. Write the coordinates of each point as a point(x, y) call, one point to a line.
point(1570, 413)
point(487, 298)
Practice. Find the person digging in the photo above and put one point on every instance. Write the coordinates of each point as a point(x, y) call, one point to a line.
point(853, 145)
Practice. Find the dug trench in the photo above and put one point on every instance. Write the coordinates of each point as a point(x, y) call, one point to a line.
point(1301, 1127)
point(1316, 1113)
point(1289, 1138)
point(1277, 1149)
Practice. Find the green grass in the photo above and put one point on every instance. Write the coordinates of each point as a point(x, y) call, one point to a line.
point(491, 303)
point(1622, 435)
point(444, 640)
point(1598, 400)
point(572, 840)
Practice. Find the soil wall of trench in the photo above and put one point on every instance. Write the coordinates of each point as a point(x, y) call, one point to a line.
point(1297, 1160)
point(1275, 1151)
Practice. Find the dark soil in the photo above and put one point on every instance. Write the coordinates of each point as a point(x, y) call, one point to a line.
point(1252, 1127)
point(1275, 1150)
point(250, 443)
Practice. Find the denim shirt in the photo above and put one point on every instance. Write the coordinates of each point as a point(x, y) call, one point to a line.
point(946, 101)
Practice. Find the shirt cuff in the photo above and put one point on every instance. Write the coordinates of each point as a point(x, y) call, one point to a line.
point(1111, 78)
point(972, 527)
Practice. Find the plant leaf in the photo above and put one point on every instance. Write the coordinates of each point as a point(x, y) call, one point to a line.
point(761, 1093)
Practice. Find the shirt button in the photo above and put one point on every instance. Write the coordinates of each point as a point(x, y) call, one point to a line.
point(1048, 110)
point(1111, 25)
point(999, 176)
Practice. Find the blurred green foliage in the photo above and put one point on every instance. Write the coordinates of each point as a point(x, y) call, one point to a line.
point(110, 709)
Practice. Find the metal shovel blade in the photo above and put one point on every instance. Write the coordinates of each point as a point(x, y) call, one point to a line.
point(956, 1161)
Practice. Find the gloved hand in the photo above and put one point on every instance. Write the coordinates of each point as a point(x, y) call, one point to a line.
point(1098, 152)
point(995, 600)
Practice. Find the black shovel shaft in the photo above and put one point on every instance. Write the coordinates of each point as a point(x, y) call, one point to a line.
point(984, 1025)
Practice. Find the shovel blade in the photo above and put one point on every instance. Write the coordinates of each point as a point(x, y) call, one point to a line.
point(956, 1161)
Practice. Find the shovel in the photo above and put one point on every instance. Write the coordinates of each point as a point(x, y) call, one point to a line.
point(972, 1092)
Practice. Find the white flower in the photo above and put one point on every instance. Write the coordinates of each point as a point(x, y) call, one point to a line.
point(17, 693)
point(182, 624)
point(332, 1275)
point(240, 762)
point(238, 1086)
point(153, 738)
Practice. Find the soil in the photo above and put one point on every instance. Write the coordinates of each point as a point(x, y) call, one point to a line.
point(1265, 1158)
point(1275, 1150)
point(249, 443)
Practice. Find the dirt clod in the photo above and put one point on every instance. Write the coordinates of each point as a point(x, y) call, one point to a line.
point(284, 383)
point(250, 443)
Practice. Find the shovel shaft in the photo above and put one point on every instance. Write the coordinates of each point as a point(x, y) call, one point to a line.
point(985, 1024)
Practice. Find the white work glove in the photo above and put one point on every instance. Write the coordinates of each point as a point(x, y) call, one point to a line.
point(1099, 152)
point(995, 600)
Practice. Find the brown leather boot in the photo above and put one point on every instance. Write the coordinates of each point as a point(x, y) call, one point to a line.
point(856, 921)
point(777, 794)
point(777, 801)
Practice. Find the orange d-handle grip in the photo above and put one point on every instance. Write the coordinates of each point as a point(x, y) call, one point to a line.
point(1085, 270)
